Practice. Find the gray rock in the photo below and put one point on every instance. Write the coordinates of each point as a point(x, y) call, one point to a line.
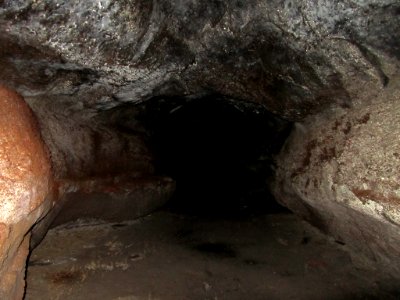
point(294, 57)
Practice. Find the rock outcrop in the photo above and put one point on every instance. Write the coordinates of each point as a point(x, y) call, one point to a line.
point(339, 170)
point(25, 185)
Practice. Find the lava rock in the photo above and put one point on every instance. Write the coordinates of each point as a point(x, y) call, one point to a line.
point(339, 170)
point(25, 182)
point(295, 58)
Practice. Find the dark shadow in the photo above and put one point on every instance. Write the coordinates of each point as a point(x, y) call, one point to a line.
point(220, 152)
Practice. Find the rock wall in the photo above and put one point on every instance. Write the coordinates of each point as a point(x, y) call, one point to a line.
point(95, 159)
point(84, 144)
point(295, 58)
point(339, 170)
point(98, 171)
point(25, 185)
point(329, 65)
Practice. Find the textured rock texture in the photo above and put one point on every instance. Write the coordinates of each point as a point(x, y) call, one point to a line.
point(340, 170)
point(86, 145)
point(116, 199)
point(25, 182)
point(294, 57)
point(78, 62)
point(96, 158)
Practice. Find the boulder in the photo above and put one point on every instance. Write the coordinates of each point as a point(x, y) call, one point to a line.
point(25, 183)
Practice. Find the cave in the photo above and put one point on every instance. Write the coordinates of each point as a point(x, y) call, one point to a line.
point(218, 151)
point(218, 223)
point(199, 149)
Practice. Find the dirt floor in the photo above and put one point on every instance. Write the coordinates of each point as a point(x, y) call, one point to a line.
point(174, 256)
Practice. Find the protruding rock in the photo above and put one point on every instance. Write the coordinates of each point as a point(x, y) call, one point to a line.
point(24, 184)
point(340, 170)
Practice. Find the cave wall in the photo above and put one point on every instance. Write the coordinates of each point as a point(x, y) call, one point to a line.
point(25, 188)
point(101, 170)
point(339, 170)
point(84, 144)
point(325, 65)
point(295, 58)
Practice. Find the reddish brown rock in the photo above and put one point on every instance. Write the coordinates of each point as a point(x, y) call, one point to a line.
point(115, 199)
point(24, 185)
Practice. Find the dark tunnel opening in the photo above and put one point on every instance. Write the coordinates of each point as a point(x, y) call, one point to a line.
point(219, 151)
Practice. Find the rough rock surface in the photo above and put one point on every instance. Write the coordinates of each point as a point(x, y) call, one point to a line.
point(75, 61)
point(25, 180)
point(339, 170)
point(96, 158)
point(294, 57)
point(116, 199)
point(86, 145)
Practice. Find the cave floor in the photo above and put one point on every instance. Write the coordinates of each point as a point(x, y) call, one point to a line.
point(172, 256)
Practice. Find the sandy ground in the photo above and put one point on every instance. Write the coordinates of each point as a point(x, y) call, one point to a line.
point(174, 256)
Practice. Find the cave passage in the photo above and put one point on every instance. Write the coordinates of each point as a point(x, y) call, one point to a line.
point(221, 235)
point(166, 124)
point(220, 152)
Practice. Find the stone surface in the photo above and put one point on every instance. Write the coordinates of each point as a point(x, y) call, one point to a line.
point(103, 168)
point(295, 58)
point(339, 170)
point(112, 199)
point(174, 256)
point(77, 62)
point(115, 199)
point(25, 181)
point(90, 151)
point(84, 145)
